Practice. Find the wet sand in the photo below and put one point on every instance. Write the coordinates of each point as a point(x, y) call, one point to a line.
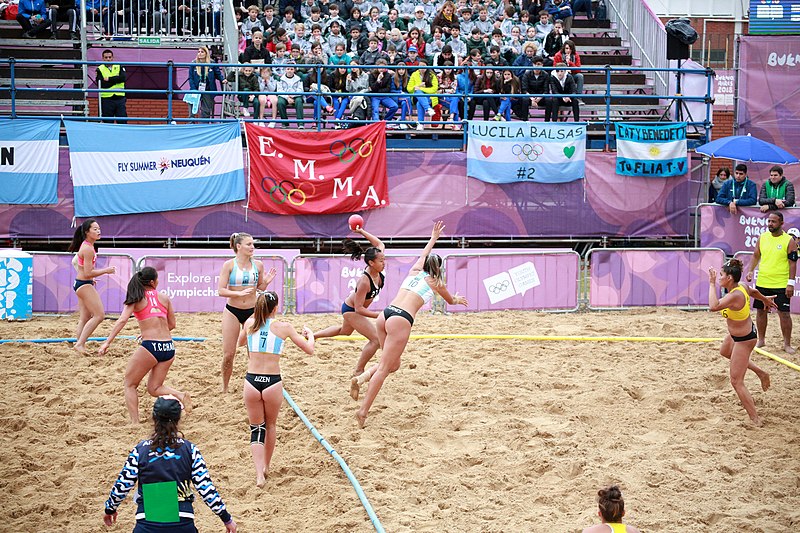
point(469, 435)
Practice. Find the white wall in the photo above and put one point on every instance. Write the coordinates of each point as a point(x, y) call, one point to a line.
point(735, 9)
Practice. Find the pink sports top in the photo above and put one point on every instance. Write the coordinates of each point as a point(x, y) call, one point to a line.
point(94, 255)
point(154, 307)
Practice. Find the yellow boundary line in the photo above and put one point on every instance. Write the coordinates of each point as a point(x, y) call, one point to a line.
point(576, 338)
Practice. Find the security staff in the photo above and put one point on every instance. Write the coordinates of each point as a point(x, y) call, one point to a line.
point(112, 100)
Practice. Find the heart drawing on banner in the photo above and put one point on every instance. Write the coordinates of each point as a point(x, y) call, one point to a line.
point(486, 151)
point(569, 151)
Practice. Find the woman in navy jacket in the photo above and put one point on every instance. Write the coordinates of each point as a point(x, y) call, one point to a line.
point(203, 77)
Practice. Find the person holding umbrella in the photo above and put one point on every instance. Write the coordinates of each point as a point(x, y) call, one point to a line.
point(738, 192)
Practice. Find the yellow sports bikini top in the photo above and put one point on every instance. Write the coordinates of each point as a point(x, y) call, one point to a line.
point(741, 314)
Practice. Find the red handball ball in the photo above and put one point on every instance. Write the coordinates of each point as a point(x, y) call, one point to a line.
point(355, 222)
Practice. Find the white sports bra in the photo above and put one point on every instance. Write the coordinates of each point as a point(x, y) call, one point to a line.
point(419, 286)
point(265, 341)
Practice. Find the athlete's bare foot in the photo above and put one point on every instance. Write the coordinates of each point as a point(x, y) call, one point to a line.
point(760, 343)
point(757, 422)
point(187, 402)
point(765, 383)
point(362, 419)
point(80, 348)
point(788, 349)
point(261, 481)
point(354, 388)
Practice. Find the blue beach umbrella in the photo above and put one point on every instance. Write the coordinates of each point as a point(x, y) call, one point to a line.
point(747, 148)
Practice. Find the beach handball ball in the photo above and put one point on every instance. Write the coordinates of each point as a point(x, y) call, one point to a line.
point(355, 222)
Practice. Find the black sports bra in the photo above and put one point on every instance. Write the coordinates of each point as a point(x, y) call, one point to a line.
point(373, 290)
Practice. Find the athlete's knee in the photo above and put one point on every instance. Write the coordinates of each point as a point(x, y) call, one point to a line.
point(392, 367)
point(258, 433)
point(152, 390)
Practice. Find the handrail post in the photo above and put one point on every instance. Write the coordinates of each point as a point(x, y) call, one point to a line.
point(170, 67)
point(317, 105)
point(11, 62)
point(709, 102)
point(608, 109)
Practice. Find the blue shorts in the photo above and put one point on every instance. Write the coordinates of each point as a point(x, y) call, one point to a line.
point(80, 283)
point(161, 350)
point(347, 309)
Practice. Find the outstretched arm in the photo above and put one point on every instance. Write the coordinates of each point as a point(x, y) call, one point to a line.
point(118, 325)
point(768, 301)
point(373, 240)
point(438, 227)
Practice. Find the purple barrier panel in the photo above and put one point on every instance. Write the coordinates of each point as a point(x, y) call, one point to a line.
point(648, 276)
point(794, 303)
point(54, 275)
point(191, 280)
point(493, 282)
point(720, 229)
point(323, 282)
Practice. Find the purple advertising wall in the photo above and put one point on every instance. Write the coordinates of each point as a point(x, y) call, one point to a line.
point(769, 107)
point(424, 187)
point(528, 281)
point(53, 277)
point(647, 277)
point(323, 282)
point(739, 232)
point(191, 281)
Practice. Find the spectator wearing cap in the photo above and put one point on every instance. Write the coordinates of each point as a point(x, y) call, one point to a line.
point(420, 21)
point(164, 466)
point(795, 233)
point(777, 192)
point(413, 59)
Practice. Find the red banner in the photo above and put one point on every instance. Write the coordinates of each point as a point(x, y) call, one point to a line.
point(296, 172)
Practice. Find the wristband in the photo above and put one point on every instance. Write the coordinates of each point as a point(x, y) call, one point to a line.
point(790, 283)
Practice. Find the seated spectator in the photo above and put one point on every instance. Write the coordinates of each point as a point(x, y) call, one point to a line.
point(436, 43)
point(569, 55)
point(371, 55)
point(269, 22)
point(334, 15)
point(466, 24)
point(486, 86)
point(723, 174)
point(446, 19)
point(445, 57)
point(777, 192)
point(534, 82)
point(422, 83)
point(496, 39)
point(291, 88)
point(268, 84)
point(336, 36)
point(561, 83)
point(396, 40)
point(399, 87)
point(475, 42)
point(325, 97)
point(316, 18)
point(280, 37)
point(543, 28)
point(288, 23)
point(508, 85)
point(611, 510)
point(484, 24)
point(458, 44)
point(280, 58)
point(420, 21)
point(358, 82)
point(405, 9)
point(252, 22)
point(458, 104)
point(373, 21)
point(413, 60)
point(355, 22)
point(495, 59)
point(416, 40)
point(509, 21)
point(533, 7)
point(305, 9)
point(393, 21)
point(429, 8)
point(316, 56)
point(339, 57)
point(514, 46)
point(582, 6)
point(447, 87)
point(529, 55)
point(357, 44)
point(380, 81)
point(338, 85)
point(555, 41)
point(380, 34)
point(257, 53)
point(304, 41)
point(61, 11)
point(524, 20)
point(32, 16)
point(738, 192)
point(561, 10)
point(247, 86)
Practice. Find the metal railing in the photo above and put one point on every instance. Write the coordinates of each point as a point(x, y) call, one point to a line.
point(638, 24)
point(598, 103)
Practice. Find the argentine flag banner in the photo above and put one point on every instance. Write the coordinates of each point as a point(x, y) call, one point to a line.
point(509, 152)
point(29, 161)
point(122, 169)
point(657, 150)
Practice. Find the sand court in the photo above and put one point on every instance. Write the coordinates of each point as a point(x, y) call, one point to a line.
point(469, 435)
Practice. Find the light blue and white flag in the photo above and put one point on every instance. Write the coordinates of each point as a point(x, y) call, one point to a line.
point(657, 150)
point(508, 152)
point(121, 169)
point(29, 161)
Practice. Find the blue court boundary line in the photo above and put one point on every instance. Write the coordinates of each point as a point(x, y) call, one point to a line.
point(96, 339)
point(353, 481)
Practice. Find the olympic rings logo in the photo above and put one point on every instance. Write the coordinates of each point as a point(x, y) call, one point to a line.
point(531, 152)
point(498, 287)
point(347, 152)
point(288, 190)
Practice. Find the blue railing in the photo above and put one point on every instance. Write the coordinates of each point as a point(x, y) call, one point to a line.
point(317, 120)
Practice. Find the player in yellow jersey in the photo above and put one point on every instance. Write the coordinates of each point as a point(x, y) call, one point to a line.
point(738, 344)
point(611, 509)
point(776, 258)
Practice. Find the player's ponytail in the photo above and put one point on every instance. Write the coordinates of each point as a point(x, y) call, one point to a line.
point(611, 503)
point(80, 235)
point(433, 266)
point(140, 282)
point(266, 302)
point(733, 267)
point(355, 251)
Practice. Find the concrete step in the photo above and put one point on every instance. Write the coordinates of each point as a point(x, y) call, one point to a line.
point(42, 52)
point(601, 49)
point(582, 22)
point(605, 59)
point(583, 42)
point(43, 73)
